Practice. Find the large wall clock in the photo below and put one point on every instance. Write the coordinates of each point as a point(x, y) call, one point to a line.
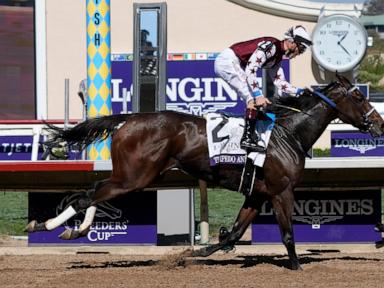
point(340, 42)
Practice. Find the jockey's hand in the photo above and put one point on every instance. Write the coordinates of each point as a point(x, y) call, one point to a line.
point(262, 101)
point(251, 104)
point(299, 92)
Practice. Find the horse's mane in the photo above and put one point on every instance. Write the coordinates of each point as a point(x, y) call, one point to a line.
point(303, 103)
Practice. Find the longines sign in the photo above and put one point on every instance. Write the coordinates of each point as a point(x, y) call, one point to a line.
point(347, 144)
point(325, 216)
point(192, 87)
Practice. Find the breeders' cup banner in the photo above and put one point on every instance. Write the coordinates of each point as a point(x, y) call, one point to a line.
point(348, 144)
point(325, 216)
point(130, 219)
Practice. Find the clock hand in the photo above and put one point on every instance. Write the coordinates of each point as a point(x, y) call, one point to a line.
point(342, 47)
point(342, 38)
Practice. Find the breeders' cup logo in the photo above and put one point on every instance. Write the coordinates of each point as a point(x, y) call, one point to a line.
point(316, 212)
point(360, 145)
point(100, 230)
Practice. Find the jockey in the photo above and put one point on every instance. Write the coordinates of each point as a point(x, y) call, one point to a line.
point(238, 65)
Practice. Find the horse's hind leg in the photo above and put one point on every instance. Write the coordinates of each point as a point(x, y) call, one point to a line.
point(70, 234)
point(53, 223)
point(283, 205)
point(104, 190)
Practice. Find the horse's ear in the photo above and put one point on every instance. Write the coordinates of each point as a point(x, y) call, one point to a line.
point(344, 80)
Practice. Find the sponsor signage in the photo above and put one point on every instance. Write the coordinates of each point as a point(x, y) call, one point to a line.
point(192, 86)
point(348, 144)
point(130, 219)
point(17, 148)
point(325, 216)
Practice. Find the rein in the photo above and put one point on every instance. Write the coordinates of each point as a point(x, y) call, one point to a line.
point(331, 103)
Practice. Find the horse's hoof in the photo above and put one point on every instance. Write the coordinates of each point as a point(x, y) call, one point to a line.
point(69, 234)
point(296, 266)
point(200, 253)
point(30, 226)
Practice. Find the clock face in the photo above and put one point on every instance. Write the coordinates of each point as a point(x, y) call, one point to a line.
point(339, 43)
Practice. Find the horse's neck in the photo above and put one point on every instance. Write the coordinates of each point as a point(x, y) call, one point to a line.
point(307, 129)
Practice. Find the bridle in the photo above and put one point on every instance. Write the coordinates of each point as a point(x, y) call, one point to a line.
point(367, 124)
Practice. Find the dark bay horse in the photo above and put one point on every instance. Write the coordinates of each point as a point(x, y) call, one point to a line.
point(149, 144)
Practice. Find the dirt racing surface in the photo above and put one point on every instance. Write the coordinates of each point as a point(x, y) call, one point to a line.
point(320, 269)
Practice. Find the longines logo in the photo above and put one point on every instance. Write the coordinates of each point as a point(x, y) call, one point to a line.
point(316, 212)
point(100, 230)
point(360, 145)
point(191, 95)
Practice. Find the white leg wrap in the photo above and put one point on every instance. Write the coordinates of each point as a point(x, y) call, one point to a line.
point(60, 219)
point(88, 219)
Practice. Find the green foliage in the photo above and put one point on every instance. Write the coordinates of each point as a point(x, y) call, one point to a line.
point(13, 213)
point(317, 152)
point(223, 208)
point(371, 70)
point(374, 7)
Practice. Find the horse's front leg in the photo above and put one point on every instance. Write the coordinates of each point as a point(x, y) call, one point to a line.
point(283, 205)
point(247, 213)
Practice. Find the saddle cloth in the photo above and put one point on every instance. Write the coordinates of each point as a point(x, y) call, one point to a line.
point(224, 134)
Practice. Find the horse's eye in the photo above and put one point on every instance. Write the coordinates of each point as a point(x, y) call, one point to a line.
point(360, 98)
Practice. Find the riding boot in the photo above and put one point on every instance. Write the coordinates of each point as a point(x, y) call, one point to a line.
point(250, 139)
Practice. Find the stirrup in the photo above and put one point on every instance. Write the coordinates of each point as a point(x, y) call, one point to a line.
point(252, 147)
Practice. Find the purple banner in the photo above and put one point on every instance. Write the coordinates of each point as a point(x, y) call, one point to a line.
point(130, 219)
point(20, 148)
point(17, 148)
point(324, 217)
point(192, 87)
point(347, 144)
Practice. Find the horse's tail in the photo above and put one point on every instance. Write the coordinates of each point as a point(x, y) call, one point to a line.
point(85, 133)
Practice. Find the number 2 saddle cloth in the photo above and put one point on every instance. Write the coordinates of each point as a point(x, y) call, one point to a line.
point(224, 134)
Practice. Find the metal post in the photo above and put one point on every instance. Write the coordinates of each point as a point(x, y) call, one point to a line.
point(204, 223)
point(66, 103)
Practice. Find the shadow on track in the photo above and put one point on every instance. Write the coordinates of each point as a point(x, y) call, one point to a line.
point(241, 261)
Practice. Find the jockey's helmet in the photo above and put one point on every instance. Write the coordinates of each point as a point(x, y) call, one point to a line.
point(300, 36)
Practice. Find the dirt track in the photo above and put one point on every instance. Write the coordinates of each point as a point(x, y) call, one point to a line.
point(321, 269)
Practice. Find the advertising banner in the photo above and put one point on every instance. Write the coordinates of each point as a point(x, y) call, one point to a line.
point(17, 148)
point(129, 219)
point(325, 216)
point(349, 144)
point(192, 86)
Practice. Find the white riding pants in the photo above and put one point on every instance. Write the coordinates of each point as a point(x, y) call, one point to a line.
point(227, 66)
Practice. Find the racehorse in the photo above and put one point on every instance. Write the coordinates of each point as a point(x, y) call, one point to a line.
point(146, 145)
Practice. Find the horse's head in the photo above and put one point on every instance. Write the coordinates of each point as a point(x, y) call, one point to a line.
point(354, 108)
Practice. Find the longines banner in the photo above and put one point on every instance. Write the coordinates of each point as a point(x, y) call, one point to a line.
point(348, 144)
point(325, 216)
point(192, 87)
point(130, 219)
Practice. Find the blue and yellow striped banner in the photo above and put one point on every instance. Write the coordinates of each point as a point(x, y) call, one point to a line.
point(99, 70)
